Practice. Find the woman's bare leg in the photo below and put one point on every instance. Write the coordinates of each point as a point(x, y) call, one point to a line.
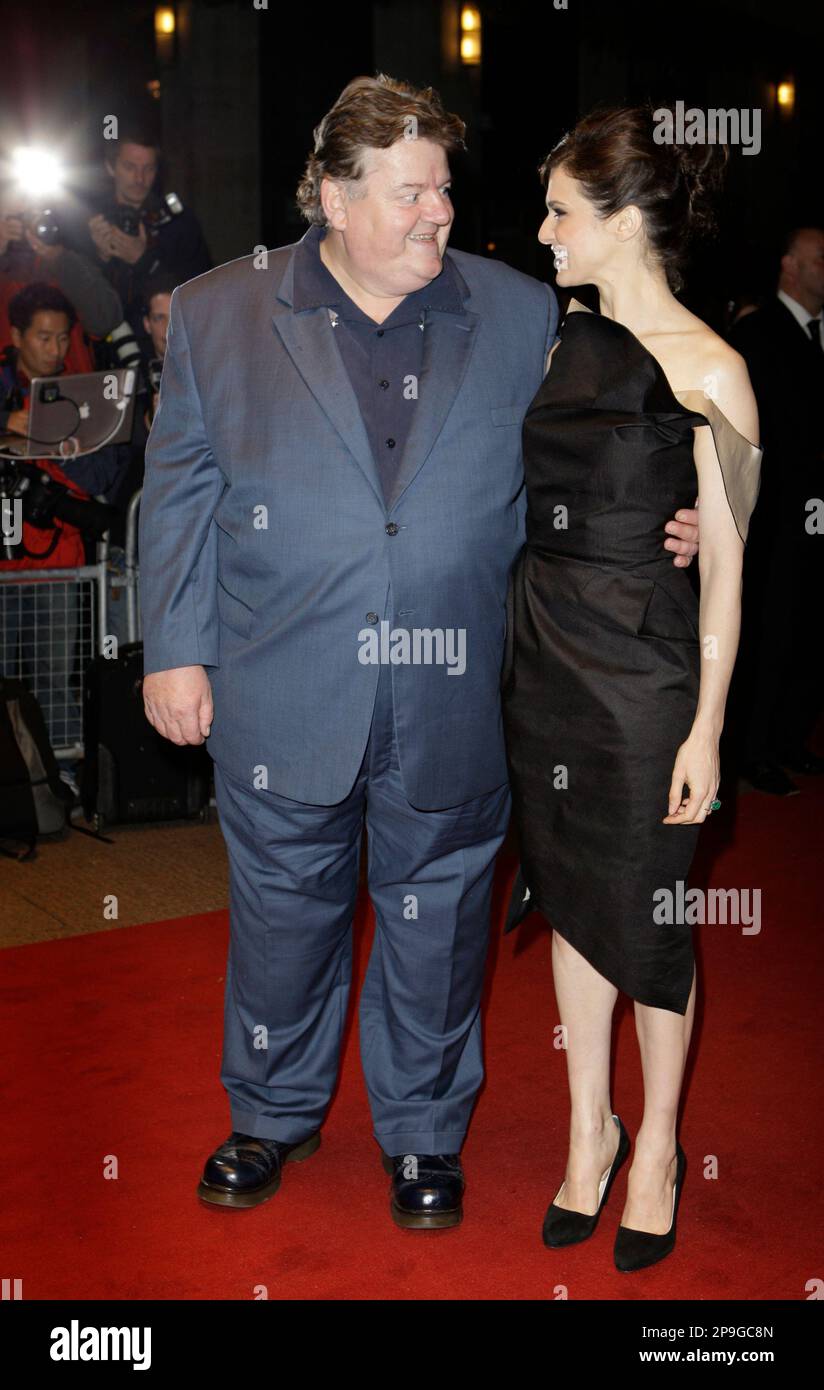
point(586, 1002)
point(664, 1038)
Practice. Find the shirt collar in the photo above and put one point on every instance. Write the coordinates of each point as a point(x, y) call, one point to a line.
point(801, 315)
point(316, 286)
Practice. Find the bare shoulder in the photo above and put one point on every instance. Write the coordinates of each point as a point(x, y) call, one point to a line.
point(723, 376)
point(715, 354)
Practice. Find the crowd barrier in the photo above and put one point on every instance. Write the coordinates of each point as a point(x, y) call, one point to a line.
point(54, 621)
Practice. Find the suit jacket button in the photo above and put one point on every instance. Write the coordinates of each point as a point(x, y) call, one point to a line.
point(392, 528)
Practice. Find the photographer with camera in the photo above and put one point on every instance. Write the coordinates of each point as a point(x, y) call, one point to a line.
point(158, 299)
point(155, 322)
point(31, 251)
point(56, 512)
point(137, 233)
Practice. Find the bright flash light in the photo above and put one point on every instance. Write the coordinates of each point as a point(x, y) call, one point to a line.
point(36, 172)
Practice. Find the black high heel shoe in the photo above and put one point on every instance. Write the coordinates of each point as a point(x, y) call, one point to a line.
point(562, 1227)
point(637, 1249)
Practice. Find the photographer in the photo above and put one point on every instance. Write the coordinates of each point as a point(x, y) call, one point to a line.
point(41, 618)
point(26, 258)
point(138, 234)
point(158, 298)
point(155, 322)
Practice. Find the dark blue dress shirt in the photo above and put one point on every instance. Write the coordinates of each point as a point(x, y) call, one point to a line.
point(383, 360)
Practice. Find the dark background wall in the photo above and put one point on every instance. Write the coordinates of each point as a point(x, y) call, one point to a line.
point(242, 89)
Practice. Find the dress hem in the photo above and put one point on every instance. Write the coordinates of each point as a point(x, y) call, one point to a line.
point(535, 905)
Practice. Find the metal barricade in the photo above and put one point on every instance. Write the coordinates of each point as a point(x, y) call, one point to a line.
point(53, 621)
point(134, 626)
point(124, 618)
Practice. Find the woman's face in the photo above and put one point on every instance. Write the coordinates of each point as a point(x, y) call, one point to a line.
point(580, 241)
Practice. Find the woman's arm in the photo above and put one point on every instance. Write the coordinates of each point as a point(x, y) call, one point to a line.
point(720, 562)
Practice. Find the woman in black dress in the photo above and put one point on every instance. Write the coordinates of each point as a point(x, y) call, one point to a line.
point(615, 682)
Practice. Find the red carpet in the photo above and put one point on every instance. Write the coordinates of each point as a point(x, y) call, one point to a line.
point(112, 1046)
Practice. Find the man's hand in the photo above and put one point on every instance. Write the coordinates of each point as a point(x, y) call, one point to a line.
point(43, 248)
point(685, 528)
point(100, 231)
point(18, 422)
point(11, 229)
point(110, 241)
point(128, 248)
point(178, 703)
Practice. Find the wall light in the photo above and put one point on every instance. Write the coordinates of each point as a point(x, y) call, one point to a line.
point(164, 20)
point(470, 35)
point(785, 96)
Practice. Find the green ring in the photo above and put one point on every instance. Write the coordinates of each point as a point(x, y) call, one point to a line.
point(715, 806)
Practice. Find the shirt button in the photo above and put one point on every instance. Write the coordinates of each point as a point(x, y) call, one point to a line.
point(371, 617)
point(379, 333)
point(390, 443)
point(383, 384)
point(392, 528)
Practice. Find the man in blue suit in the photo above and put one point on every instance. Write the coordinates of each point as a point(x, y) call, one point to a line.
point(330, 513)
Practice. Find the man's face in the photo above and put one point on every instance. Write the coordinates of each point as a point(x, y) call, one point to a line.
point(133, 170)
point(805, 263)
point(156, 322)
point(395, 236)
point(42, 347)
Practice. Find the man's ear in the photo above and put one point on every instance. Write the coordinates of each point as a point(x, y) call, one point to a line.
point(333, 202)
point(16, 337)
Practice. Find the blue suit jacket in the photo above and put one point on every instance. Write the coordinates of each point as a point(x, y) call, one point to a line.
point(264, 549)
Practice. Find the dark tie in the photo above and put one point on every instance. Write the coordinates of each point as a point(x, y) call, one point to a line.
point(814, 330)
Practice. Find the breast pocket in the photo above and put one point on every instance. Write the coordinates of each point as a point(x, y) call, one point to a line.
point(234, 612)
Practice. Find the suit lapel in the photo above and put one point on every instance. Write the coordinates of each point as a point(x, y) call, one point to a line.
point(309, 338)
point(448, 343)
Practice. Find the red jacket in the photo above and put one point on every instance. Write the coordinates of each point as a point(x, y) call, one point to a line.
point(80, 357)
point(69, 551)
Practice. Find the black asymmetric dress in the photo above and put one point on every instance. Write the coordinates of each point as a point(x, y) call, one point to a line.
point(602, 664)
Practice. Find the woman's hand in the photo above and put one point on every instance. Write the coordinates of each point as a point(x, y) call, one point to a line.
point(697, 763)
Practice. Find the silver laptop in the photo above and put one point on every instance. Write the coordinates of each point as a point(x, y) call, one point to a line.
point(72, 415)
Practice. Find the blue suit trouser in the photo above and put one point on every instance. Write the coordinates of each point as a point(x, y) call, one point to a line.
point(293, 887)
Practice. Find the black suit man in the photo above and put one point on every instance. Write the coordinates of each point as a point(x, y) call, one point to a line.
point(780, 668)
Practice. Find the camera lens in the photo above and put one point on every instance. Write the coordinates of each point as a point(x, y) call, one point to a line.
point(128, 221)
point(44, 224)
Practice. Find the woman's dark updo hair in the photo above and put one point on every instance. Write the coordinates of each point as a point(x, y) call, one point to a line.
point(613, 154)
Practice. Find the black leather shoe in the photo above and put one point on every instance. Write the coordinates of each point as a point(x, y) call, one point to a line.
point(429, 1198)
point(637, 1249)
point(562, 1227)
point(246, 1170)
point(769, 777)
